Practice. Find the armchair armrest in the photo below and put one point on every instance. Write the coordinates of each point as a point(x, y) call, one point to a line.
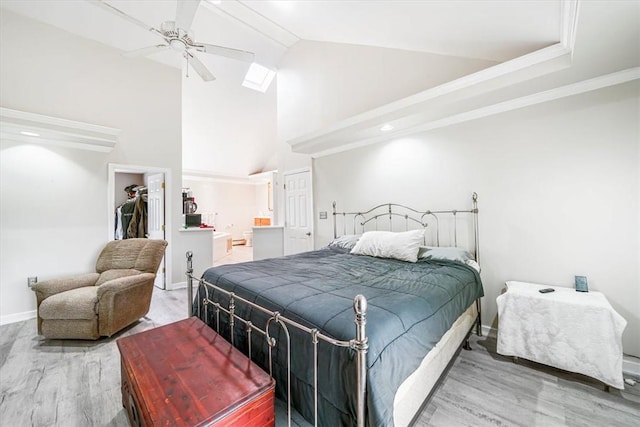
point(50, 287)
point(123, 284)
point(122, 301)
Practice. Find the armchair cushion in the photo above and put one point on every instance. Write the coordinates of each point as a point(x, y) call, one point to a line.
point(116, 274)
point(140, 254)
point(77, 303)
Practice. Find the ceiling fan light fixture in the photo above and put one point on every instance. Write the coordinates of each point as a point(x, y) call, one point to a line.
point(258, 77)
point(178, 45)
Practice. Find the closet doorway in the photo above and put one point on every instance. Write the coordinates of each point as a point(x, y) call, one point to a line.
point(156, 180)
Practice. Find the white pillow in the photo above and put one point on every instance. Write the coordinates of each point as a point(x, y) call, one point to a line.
point(386, 244)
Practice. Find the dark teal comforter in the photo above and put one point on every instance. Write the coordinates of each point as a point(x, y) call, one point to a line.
point(410, 307)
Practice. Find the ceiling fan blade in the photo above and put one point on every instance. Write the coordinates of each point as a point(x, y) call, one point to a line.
point(199, 67)
point(240, 55)
point(146, 51)
point(185, 12)
point(106, 6)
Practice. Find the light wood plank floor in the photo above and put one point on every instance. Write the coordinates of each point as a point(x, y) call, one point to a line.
point(77, 383)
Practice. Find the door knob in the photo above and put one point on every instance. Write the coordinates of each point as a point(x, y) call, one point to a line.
point(308, 233)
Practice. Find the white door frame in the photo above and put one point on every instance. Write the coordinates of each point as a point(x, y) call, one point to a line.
point(312, 214)
point(111, 202)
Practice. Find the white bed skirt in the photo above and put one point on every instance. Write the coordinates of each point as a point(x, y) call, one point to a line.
point(416, 388)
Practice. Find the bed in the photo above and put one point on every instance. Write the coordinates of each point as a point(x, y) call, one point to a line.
point(295, 315)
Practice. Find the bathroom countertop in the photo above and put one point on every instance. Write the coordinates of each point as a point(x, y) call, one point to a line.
point(196, 229)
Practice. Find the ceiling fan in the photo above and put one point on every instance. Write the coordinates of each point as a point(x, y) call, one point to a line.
point(177, 36)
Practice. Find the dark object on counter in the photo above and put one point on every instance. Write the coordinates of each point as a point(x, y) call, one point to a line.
point(192, 220)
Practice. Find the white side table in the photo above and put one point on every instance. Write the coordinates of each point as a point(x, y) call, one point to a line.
point(575, 331)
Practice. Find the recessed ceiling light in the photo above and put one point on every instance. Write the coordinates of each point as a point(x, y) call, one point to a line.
point(258, 77)
point(26, 133)
point(386, 128)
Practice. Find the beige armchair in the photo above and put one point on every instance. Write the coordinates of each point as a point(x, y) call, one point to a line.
point(92, 305)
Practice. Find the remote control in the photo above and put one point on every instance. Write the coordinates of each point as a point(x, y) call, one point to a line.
point(547, 290)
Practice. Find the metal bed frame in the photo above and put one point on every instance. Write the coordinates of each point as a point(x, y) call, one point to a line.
point(359, 344)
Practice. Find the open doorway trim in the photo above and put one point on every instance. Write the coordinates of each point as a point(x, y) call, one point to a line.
point(121, 168)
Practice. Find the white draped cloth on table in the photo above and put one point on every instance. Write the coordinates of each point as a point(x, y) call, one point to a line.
point(575, 331)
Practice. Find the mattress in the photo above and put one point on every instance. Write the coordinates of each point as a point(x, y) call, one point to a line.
point(418, 386)
point(410, 308)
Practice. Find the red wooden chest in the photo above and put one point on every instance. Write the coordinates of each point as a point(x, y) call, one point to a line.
point(184, 374)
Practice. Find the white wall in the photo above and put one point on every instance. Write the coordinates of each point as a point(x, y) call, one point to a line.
point(54, 213)
point(228, 129)
point(320, 83)
point(558, 189)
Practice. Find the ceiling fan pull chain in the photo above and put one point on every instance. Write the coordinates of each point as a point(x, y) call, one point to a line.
point(187, 58)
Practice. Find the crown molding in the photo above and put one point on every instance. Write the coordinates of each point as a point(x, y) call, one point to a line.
point(208, 176)
point(584, 86)
point(56, 131)
point(428, 105)
point(444, 103)
point(569, 19)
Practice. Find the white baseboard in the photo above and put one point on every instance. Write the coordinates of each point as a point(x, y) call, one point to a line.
point(179, 285)
point(17, 317)
point(487, 330)
point(631, 366)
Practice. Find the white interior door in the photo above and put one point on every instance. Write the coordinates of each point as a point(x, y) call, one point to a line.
point(155, 218)
point(298, 226)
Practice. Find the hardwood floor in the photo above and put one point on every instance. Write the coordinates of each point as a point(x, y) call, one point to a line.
point(69, 382)
point(484, 388)
point(77, 383)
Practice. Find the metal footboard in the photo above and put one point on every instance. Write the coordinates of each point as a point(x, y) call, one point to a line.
point(359, 344)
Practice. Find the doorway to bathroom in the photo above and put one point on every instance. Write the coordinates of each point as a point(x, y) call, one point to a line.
point(233, 206)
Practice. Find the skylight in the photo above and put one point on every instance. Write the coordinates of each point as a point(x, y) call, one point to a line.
point(258, 77)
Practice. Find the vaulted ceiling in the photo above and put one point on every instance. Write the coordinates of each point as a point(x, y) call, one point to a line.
point(496, 30)
point(532, 42)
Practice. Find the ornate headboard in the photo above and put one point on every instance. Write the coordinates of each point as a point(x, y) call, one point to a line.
point(453, 227)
